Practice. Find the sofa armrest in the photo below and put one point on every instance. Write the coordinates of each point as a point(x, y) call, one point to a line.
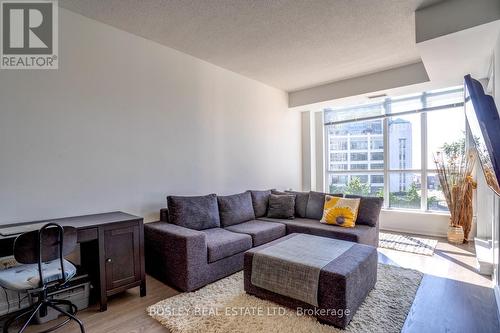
point(164, 215)
point(175, 254)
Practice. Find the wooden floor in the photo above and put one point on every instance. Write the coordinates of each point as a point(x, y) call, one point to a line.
point(452, 297)
point(126, 313)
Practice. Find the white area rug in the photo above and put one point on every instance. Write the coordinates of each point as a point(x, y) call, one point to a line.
point(224, 306)
point(407, 243)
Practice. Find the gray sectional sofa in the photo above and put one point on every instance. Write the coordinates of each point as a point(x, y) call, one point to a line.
point(202, 239)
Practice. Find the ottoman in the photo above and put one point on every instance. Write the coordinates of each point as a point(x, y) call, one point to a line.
point(342, 286)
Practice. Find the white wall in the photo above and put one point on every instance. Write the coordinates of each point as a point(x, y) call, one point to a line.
point(313, 151)
point(125, 122)
point(319, 146)
point(423, 223)
point(308, 151)
point(484, 206)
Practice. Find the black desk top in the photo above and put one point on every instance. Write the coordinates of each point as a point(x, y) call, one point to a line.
point(79, 222)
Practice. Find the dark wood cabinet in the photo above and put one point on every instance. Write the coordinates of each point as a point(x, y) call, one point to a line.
point(122, 253)
point(121, 258)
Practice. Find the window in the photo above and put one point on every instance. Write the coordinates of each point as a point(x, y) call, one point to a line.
point(438, 137)
point(377, 156)
point(404, 190)
point(356, 183)
point(359, 166)
point(403, 172)
point(450, 137)
point(405, 142)
point(338, 157)
point(338, 144)
point(359, 143)
point(377, 144)
point(359, 157)
point(335, 166)
point(435, 197)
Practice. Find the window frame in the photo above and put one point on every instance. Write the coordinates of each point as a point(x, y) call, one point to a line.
point(424, 171)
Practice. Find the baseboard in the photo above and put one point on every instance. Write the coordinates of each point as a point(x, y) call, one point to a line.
point(420, 232)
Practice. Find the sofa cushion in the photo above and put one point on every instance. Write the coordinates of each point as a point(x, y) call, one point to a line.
point(196, 213)
point(260, 201)
point(164, 215)
point(301, 199)
point(223, 243)
point(369, 209)
point(316, 203)
point(236, 208)
point(340, 211)
point(362, 234)
point(281, 206)
point(261, 231)
point(27, 276)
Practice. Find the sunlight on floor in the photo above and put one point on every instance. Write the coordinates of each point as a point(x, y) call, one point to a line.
point(456, 262)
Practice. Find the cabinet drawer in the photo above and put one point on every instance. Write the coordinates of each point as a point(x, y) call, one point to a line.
point(85, 235)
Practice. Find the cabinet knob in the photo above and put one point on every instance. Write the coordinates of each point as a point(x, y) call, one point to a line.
point(108, 260)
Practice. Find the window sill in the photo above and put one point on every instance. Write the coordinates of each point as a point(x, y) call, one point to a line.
point(411, 211)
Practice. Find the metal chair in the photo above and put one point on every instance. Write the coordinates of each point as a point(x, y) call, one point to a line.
point(42, 254)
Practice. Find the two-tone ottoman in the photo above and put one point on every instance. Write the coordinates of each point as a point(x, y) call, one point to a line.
point(318, 276)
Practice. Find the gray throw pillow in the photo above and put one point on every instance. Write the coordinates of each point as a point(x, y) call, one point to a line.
point(198, 213)
point(260, 201)
point(369, 209)
point(301, 199)
point(234, 209)
point(281, 206)
point(316, 204)
point(279, 192)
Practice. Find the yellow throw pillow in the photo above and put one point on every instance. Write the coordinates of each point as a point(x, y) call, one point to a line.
point(340, 211)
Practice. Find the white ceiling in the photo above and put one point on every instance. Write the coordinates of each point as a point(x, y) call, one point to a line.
point(289, 44)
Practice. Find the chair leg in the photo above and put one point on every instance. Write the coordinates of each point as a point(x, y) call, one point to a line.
point(12, 319)
point(57, 326)
point(55, 307)
point(36, 309)
point(31, 317)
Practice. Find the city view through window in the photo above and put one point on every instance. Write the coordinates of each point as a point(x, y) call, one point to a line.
point(385, 149)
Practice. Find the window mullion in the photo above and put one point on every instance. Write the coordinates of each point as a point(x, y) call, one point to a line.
point(423, 151)
point(326, 161)
point(386, 161)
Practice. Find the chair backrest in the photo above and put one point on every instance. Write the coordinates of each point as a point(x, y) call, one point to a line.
point(52, 241)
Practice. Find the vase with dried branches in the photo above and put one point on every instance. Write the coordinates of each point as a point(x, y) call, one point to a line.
point(455, 176)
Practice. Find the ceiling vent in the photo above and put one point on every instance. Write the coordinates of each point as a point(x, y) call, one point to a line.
point(377, 96)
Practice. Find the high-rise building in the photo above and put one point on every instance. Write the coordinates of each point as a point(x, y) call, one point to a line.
point(400, 153)
point(358, 146)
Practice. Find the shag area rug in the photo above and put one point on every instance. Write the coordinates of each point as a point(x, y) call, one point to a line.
point(407, 243)
point(224, 306)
